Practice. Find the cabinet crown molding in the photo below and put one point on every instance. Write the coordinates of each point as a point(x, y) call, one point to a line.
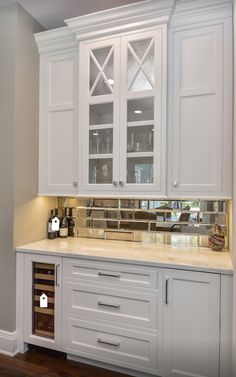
point(121, 19)
point(56, 40)
point(194, 11)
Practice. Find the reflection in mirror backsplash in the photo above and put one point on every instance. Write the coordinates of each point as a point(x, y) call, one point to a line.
point(171, 222)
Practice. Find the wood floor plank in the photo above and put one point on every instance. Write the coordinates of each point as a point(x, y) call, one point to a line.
point(43, 364)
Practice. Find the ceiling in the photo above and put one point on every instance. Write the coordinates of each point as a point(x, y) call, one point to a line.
point(52, 13)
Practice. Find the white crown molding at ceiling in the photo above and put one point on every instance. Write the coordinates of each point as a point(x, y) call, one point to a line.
point(59, 39)
point(194, 11)
point(125, 18)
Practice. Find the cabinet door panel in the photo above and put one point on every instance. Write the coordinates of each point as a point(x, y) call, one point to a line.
point(142, 141)
point(99, 93)
point(191, 324)
point(58, 146)
point(42, 325)
point(199, 124)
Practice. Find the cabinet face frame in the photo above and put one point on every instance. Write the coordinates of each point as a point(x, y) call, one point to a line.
point(28, 336)
point(158, 188)
point(171, 341)
point(47, 110)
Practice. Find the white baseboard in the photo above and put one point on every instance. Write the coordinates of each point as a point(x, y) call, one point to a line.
point(8, 343)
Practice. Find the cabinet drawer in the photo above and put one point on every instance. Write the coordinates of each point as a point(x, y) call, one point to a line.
point(113, 345)
point(127, 307)
point(112, 273)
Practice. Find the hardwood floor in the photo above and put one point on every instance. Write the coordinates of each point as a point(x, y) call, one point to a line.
point(40, 364)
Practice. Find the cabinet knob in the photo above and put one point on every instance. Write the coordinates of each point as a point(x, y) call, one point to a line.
point(121, 183)
point(115, 183)
point(75, 184)
point(175, 184)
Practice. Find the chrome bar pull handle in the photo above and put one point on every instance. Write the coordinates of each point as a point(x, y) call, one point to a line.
point(103, 341)
point(57, 283)
point(167, 287)
point(116, 306)
point(109, 275)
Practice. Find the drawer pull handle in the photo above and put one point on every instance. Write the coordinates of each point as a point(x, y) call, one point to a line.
point(56, 277)
point(110, 275)
point(117, 306)
point(167, 286)
point(114, 344)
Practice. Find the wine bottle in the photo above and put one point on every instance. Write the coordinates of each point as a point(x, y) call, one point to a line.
point(71, 223)
point(63, 231)
point(57, 216)
point(51, 233)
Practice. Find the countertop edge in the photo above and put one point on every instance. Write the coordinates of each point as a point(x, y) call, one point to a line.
point(171, 265)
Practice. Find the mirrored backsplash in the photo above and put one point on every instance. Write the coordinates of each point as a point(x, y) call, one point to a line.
point(172, 222)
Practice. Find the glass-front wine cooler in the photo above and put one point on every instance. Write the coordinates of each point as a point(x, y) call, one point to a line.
point(43, 300)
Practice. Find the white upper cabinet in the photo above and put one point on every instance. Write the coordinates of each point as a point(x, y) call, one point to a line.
point(122, 98)
point(104, 103)
point(58, 171)
point(200, 111)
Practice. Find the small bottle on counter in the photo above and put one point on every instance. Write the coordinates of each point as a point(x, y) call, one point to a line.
point(51, 232)
point(63, 231)
point(56, 221)
point(71, 223)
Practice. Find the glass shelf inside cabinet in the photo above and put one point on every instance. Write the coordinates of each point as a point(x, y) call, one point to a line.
point(43, 283)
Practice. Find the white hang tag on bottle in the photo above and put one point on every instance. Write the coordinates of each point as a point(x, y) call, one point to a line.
point(55, 224)
point(43, 301)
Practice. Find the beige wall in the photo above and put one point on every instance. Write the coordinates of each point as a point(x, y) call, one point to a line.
point(18, 150)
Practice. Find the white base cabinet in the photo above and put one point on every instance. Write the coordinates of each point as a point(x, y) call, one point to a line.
point(191, 324)
point(136, 319)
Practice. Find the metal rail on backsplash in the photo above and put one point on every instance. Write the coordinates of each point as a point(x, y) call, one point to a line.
point(172, 222)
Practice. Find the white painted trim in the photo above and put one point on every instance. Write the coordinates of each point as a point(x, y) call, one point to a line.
point(56, 40)
point(122, 19)
point(226, 322)
point(8, 343)
point(111, 367)
point(194, 11)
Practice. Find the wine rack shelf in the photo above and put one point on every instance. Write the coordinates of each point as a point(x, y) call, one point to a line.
point(43, 282)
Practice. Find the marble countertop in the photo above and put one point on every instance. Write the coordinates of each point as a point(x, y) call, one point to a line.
point(198, 259)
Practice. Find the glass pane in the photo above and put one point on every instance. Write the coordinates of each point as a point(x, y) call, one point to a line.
point(140, 74)
point(140, 170)
point(140, 47)
point(101, 54)
point(94, 71)
point(141, 82)
point(140, 109)
point(99, 63)
point(101, 114)
point(101, 88)
point(140, 139)
point(132, 67)
point(43, 283)
point(148, 64)
point(100, 171)
point(101, 141)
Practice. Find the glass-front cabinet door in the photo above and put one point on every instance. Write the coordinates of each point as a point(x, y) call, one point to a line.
point(142, 133)
point(43, 300)
point(122, 114)
point(100, 86)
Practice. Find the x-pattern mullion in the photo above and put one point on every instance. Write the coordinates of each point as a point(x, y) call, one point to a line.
point(101, 70)
point(140, 63)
